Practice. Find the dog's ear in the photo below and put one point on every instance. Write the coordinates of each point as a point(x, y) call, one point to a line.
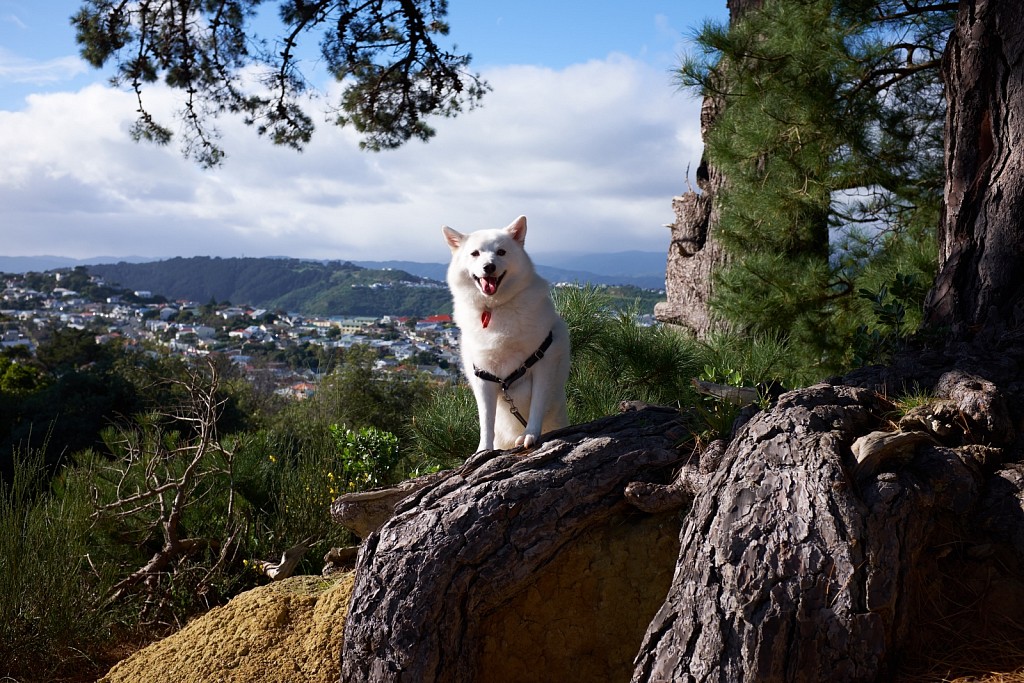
point(453, 237)
point(518, 229)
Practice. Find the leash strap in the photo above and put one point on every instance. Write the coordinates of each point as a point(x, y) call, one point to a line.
point(516, 374)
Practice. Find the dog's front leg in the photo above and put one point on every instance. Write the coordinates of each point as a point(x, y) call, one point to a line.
point(540, 389)
point(486, 395)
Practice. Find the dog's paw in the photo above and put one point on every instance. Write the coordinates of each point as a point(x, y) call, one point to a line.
point(526, 441)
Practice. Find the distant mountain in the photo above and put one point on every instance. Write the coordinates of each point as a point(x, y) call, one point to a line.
point(644, 269)
point(320, 287)
point(293, 285)
point(635, 264)
point(41, 264)
point(432, 271)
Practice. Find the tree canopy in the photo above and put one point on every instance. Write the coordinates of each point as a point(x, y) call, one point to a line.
point(387, 54)
point(830, 140)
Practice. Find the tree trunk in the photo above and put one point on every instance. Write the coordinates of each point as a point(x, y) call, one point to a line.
point(979, 290)
point(521, 567)
point(791, 570)
point(693, 256)
point(796, 566)
point(694, 253)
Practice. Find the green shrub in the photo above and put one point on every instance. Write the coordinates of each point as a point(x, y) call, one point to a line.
point(757, 359)
point(286, 494)
point(50, 587)
point(896, 311)
point(444, 429)
point(369, 456)
point(250, 497)
point(616, 359)
point(355, 393)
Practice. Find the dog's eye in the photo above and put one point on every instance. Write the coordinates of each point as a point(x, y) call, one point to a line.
point(475, 253)
point(500, 252)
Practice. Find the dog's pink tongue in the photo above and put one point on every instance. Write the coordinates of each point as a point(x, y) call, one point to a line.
point(490, 285)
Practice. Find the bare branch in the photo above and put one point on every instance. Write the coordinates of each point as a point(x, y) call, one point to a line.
point(165, 480)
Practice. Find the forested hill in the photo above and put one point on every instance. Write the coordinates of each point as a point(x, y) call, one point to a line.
point(293, 285)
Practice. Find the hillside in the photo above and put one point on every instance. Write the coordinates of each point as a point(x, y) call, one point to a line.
point(642, 269)
point(312, 287)
point(294, 285)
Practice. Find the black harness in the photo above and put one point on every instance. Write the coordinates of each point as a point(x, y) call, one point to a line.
point(516, 374)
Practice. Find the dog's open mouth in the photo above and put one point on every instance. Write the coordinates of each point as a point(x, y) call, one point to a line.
point(488, 284)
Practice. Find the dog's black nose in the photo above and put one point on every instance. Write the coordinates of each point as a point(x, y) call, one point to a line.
point(489, 268)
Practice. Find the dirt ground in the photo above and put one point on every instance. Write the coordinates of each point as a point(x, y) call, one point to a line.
point(286, 631)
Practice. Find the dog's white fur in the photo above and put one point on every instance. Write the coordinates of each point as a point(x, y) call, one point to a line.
point(504, 312)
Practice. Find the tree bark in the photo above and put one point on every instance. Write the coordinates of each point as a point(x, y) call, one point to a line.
point(979, 290)
point(526, 567)
point(791, 568)
point(694, 254)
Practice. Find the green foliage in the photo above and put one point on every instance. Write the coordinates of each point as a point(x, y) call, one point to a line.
point(162, 489)
point(19, 379)
point(444, 429)
point(739, 361)
point(356, 394)
point(385, 53)
point(832, 153)
point(615, 359)
point(285, 494)
point(717, 416)
point(183, 512)
point(188, 471)
point(87, 385)
point(760, 359)
point(911, 400)
point(623, 297)
point(68, 349)
point(50, 587)
point(732, 378)
point(369, 456)
point(893, 312)
point(68, 412)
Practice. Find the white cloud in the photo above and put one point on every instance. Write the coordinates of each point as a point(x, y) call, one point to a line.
point(592, 154)
point(14, 69)
point(14, 19)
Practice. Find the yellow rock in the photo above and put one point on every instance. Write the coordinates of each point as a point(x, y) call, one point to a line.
point(290, 630)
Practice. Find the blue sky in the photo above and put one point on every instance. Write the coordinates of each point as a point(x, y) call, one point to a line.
point(584, 132)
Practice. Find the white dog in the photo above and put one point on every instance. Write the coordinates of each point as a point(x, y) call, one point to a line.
point(515, 347)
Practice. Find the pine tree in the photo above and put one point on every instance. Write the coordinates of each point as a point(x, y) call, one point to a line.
point(387, 54)
point(830, 141)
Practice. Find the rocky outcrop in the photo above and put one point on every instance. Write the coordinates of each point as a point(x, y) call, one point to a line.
point(522, 566)
point(289, 630)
